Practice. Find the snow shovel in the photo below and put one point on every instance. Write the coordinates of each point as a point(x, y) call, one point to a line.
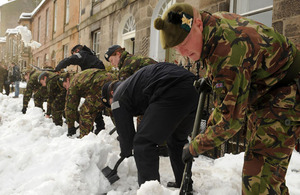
point(204, 89)
point(111, 174)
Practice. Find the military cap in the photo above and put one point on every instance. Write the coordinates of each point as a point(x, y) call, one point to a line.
point(110, 51)
point(44, 73)
point(175, 24)
point(62, 78)
point(75, 47)
point(106, 91)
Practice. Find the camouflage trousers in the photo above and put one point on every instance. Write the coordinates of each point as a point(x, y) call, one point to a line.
point(267, 156)
point(39, 97)
point(1, 86)
point(90, 110)
point(57, 111)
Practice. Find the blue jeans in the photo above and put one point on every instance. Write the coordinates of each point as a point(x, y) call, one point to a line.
point(17, 88)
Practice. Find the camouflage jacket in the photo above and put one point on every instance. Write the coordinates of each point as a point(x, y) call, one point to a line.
point(32, 86)
point(3, 74)
point(54, 90)
point(86, 84)
point(129, 64)
point(244, 59)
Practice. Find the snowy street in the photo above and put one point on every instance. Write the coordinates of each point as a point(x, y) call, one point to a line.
point(36, 157)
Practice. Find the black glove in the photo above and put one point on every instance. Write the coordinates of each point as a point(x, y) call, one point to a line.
point(126, 154)
point(71, 131)
point(186, 155)
point(24, 110)
point(202, 85)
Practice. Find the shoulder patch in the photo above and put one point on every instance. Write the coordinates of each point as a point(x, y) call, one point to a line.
point(115, 105)
point(78, 55)
point(219, 85)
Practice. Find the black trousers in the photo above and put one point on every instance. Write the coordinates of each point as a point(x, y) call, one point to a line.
point(99, 122)
point(170, 117)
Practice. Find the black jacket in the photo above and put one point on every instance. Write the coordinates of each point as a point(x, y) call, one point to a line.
point(16, 74)
point(133, 96)
point(85, 58)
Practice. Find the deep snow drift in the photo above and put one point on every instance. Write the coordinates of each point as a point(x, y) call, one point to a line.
point(36, 157)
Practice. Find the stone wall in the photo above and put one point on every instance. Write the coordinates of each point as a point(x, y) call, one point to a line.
point(286, 19)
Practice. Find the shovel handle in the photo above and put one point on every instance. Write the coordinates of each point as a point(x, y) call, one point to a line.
point(118, 163)
point(112, 131)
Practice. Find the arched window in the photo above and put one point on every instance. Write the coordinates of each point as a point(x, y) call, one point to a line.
point(128, 34)
point(156, 51)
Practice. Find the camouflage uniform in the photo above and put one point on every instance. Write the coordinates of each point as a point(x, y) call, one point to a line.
point(2, 78)
point(129, 64)
point(34, 87)
point(86, 84)
point(244, 60)
point(56, 98)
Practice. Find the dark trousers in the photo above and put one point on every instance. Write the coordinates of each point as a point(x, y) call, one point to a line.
point(99, 122)
point(171, 118)
point(7, 88)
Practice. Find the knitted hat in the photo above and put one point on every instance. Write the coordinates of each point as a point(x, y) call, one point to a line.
point(110, 51)
point(175, 24)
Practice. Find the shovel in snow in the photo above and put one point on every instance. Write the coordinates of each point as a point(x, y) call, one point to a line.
point(111, 174)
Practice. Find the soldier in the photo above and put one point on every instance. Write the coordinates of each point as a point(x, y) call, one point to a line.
point(128, 64)
point(6, 81)
point(250, 68)
point(2, 77)
point(86, 59)
point(56, 94)
point(82, 56)
point(86, 84)
point(167, 115)
point(33, 87)
point(125, 62)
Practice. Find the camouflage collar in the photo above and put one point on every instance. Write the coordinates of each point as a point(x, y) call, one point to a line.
point(209, 30)
point(122, 59)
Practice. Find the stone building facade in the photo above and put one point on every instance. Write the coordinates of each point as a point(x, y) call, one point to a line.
point(61, 24)
point(10, 13)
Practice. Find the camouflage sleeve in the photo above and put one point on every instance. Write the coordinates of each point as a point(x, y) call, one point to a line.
point(133, 64)
point(71, 108)
point(50, 98)
point(231, 91)
point(28, 93)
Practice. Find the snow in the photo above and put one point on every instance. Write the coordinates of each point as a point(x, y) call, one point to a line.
point(36, 157)
point(27, 37)
point(2, 2)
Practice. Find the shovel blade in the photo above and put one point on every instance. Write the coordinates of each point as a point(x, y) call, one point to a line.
point(110, 174)
point(113, 178)
point(107, 171)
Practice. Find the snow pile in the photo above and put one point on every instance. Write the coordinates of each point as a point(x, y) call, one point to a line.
point(36, 157)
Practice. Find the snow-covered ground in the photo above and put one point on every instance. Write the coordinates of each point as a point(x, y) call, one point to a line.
point(37, 158)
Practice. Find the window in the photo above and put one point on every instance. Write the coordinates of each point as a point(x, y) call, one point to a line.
point(67, 11)
point(39, 29)
point(128, 35)
point(55, 16)
point(66, 51)
point(38, 62)
point(96, 40)
point(47, 23)
point(258, 10)
point(14, 51)
point(46, 58)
